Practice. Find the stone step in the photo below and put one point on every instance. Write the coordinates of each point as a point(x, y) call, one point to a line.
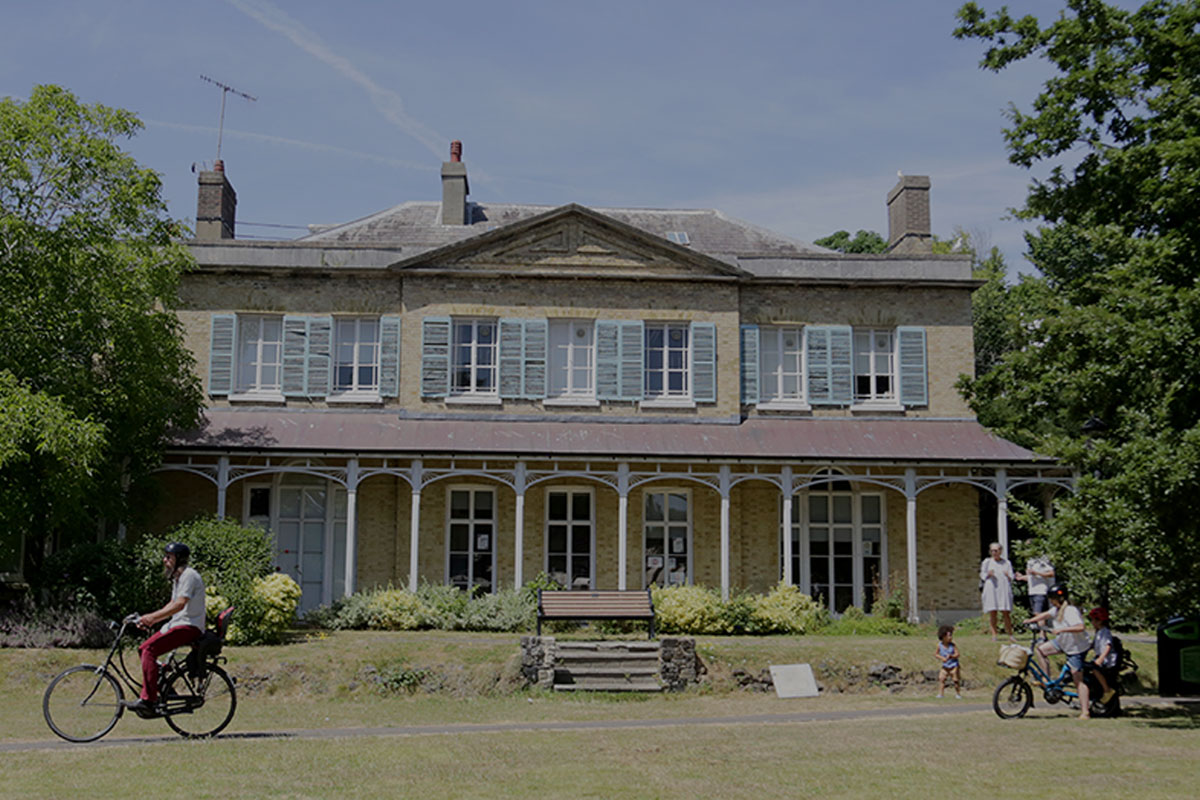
point(606, 647)
point(563, 673)
point(609, 686)
point(589, 656)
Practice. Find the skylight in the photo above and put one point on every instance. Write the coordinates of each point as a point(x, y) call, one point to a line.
point(678, 237)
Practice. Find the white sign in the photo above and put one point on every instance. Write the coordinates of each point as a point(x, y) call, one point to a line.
point(793, 680)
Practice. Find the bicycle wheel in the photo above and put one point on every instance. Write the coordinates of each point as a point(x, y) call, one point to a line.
point(82, 704)
point(200, 708)
point(1098, 709)
point(1013, 698)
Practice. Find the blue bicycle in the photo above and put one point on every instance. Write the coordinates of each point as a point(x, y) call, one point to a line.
point(1014, 696)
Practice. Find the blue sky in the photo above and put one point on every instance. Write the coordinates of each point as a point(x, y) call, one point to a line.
point(792, 115)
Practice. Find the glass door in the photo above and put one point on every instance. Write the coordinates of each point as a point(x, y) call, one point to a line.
point(569, 539)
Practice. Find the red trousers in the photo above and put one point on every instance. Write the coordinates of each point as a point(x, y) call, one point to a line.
point(155, 646)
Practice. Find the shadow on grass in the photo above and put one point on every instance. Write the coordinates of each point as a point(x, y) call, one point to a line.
point(1183, 715)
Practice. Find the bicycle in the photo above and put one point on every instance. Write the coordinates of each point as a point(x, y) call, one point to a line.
point(1014, 695)
point(197, 697)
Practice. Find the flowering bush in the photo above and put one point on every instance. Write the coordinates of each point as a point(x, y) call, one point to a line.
point(785, 609)
point(264, 614)
point(395, 610)
point(688, 609)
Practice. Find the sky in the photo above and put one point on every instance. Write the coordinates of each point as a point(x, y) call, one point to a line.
point(796, 116)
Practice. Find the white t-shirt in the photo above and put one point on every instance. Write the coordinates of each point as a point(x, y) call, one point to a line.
point(189, 584)
point(1068, 616)
point(1038, 584)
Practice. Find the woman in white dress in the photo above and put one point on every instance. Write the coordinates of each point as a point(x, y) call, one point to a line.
point(996, 575)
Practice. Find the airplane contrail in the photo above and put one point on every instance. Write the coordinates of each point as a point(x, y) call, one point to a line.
point(387, 102)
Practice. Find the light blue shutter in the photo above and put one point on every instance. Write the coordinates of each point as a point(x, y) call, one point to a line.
point(830, 357)
point(608, 352)
point(320, 356)
point(632, 345)
point(704, 362)
point(914, 379)
point(435, 356)
point(534, 382)
point(389, 356)
point(512, 357)
point(295, 356)
point(220, 354)
point(749, 364)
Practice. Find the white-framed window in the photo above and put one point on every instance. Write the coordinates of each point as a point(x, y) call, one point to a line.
point(839, 544)
point(667, 357)
point(471, 538)
point(667, 540)
point(781, 366)
point(874, 366)
point(572, 360)
point(474, 358)
point(571, 537)
point(356, 355)
point(260, 355)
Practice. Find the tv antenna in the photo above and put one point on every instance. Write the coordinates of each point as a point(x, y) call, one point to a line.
point(225, 89)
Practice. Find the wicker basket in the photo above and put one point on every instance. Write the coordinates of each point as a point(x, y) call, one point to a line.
point(1014, 656)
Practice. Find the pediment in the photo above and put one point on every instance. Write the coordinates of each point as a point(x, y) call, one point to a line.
point(572, 241)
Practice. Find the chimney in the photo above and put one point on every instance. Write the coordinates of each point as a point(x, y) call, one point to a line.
point(454, 187)
point(909, 228)
point(216, 206)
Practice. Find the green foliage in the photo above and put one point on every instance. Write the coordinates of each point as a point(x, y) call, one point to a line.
point(1107, 331)
point(266, 614)
point(24, 624)
point(861, 242)
point(95, 370)
point(106, 577)
point(785, 609)
point(688, 609)
point(401, 678)
point(854, 622)
point(891, 605)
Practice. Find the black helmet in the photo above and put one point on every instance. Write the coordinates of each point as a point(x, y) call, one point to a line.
point(1058, 590)
point(179, 550)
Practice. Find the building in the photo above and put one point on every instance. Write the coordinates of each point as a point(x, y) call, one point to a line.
point(473, 393)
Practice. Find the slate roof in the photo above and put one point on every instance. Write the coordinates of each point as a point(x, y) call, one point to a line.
point(813, 439)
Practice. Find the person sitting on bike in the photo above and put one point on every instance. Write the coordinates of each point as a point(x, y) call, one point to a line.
point(1106, 652)
point(185, 621)
point(1070, 637)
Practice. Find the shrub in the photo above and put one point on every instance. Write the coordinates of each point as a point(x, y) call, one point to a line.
point(854, 622)
point(25, 625)
point(738, 613)
point(107, 577)
point(447, 606)
point(688, 609)
point(785, 609)
point(891, 605)
point(509, 610)
point(394, 610)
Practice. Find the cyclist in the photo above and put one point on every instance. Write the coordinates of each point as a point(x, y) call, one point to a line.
point(1070, 637)
point(185, 621)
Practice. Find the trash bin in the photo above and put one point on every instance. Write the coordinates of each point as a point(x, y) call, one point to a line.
point(1179, 657)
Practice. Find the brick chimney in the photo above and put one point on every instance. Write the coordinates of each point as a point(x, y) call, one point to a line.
point(909, 228)
point(454, 187)
point(216, 207)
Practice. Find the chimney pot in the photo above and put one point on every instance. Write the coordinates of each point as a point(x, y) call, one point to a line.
point(456, 150)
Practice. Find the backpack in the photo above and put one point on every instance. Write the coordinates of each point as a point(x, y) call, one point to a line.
point(1124, 659)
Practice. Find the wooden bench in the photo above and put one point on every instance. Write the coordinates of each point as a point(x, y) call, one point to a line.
point(582, 606)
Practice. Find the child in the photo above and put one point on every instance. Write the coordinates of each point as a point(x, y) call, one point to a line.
point(1106, 653)
point(947, 653)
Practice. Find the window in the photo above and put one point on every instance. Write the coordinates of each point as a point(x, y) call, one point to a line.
point(666, 365)
point(471, 539)
point(569, 537)
point(781, 355)
point(260, 355)
point(678, 237)
point(874, 362)
point(572, 360)
point(473, 368)
point(838, 545)
point(668, 538)
point(356, 362)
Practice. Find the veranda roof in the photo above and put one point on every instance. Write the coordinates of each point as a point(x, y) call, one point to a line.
point(810, 438)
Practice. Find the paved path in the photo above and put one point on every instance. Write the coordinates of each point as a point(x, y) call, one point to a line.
point(939, 709)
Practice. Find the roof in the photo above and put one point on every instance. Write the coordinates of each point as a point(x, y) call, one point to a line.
point(809, 438)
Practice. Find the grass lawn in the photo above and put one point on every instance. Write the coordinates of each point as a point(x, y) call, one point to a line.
point(325, 683)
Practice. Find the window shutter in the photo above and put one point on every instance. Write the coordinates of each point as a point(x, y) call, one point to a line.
point(704, 362)
point(829, 353)
point(389, 356)
point(295, 356)
point(320, 356)
point(914, 376)
point(512, 360)
point(536, 333)
point(220, 354)
point(435, 356)
point(749, 364)
point(608, 386)
point(632, 343)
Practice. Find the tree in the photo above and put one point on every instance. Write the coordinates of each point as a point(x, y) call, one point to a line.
point(1111, 331)
point(862, 242)
point(96, 372)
